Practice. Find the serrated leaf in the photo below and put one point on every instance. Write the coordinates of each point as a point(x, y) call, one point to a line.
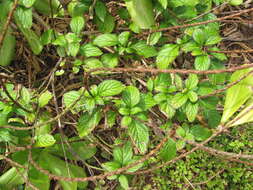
point(108, 25)
point(193, 96)
point(24, 16)
point(131, 96)
point(200, 133)
point(111, 166)
point(238, 94)
point(77, 24)
point(110, 88)
point(140, 135)
point(89, 50)
point(110, 60)
point(199, 36)
point(202, 62)
point(167, 109)
point(192, 81)
point(167, 55)
point(123, 181)
point(191, 111)
point(178, 100)
point(123, 155)
point(143, 49)
point(123, 38)
point(87, 122)
point(106, 40)
point(212, 40)
point(27, 3)
point(70, 97)
point(168, 151)
point(154, 38)
point(44, 98)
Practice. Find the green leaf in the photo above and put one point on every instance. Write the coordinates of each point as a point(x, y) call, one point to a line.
point(111, 166)
point(192, 81)
point(31, 37)
point(245, 116)
point(46, 37)
point(12, 177)
point(123, 181)
point(178, 100)
point(110, 60)
point(199, 36)
point(235, 2)
point(212, 40)
point(126, 120)
point(77, 24)
point(93, 63)
point(202, 62)
point(7, 50)
point(110, 88)
point(238, 94)
point(154, 38)
point(140, 135)
point(24, 16)
point(143, 49)
point(141, 12)
point(164, 3)
point(59, 167)
point(44, 140)
point(89, 50)
point(123, 155)
point(200, 133)
point(193, 96)
point(131, 96)
point(100, 10)
point(70, 97)
point(167, 55)
point(168, 151)
point(44, 98)
point(105, 40)
point(73, 49)
point(87, 122)
point(107, 26)
point(25, 96)
point(123, 38)
point(27, 3)
point(167, 109)
point(191, 111)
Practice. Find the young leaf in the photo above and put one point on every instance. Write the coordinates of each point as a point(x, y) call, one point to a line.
point(154, 38)
point(131, 96)
point(77, 24)
point(27, 3)
point(69, 98)
point(167, 55)
point(140, 135)
point(238, 94)
point(45, 98)
point(168, 151)
point(44, 140)
point(111, 166)
point(110, 60)
point(87, 122)
point(110, 88)
point(104, 40)
point(202, 62)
